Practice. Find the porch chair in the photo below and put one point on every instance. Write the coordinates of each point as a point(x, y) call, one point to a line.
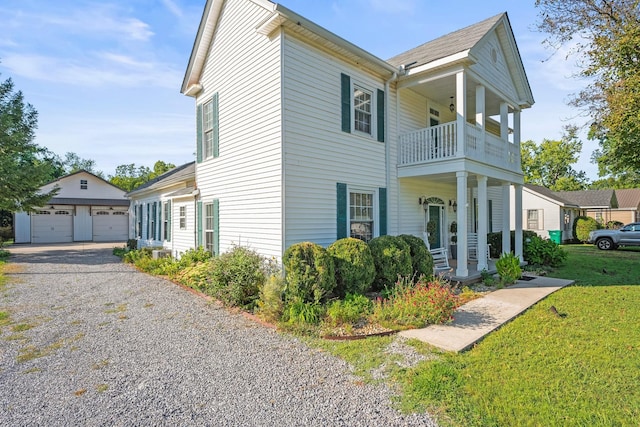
point(472, 244)
point(440, 256)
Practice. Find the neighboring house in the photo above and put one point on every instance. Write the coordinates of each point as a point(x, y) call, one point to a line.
point(87, 208)
point(163, 211)
point(303, 136)
point(544, 210)
point(598, 204)
point(628, 209)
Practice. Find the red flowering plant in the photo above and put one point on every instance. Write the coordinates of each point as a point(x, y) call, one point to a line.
point(416, 304)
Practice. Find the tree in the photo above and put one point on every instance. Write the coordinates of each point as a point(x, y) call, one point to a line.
point(23, 164)
point(131, 176)
point(74, 163)
point(549, 164)
point(606, 37)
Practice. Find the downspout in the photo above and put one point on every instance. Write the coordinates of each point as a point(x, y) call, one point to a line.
point(387, 145)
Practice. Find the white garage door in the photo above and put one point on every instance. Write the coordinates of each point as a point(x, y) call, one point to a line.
point(110, 226)
point(52, 226)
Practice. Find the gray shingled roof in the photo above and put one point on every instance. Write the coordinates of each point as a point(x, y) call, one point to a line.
point(591, 198)
point(447, 45)
point(550, 194)
point(628, 198)
point(180, 173)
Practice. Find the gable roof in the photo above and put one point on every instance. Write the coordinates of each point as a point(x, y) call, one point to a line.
point(594, 199)
point(182, 173)
point(628, 198)
point(552, 195)
point(458, 41)
point(79, 172)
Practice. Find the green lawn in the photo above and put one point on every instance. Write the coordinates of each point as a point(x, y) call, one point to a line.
point(580, 369)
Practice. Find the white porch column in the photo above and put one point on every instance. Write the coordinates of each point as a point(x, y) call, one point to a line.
point(461, 110)
point(516, 129)
point(518, 220)
point(506, 217)
point(504, 121)
point(462, 268)
point(483, 220)
point(480, 112)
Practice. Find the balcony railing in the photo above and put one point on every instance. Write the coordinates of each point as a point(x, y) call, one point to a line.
point(440, 142)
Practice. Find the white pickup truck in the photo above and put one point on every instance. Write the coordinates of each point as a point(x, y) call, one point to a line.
point(629, 235)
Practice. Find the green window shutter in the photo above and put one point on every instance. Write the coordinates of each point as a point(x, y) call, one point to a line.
point(148, 220)
point(168, 236)
point(345, 93)
point(216, 226)
point(199, 222)
point(380, 111)
point(155, 220)
point(216, 126)
point(382, 203)
point(199, 133)
point(341, 197)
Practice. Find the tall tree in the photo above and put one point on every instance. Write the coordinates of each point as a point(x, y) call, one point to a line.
point(550, 163)
point(23, 164)
point(130, 176)
point(606, 37)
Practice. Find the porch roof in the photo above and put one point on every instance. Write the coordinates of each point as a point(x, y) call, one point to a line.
point(447, 45)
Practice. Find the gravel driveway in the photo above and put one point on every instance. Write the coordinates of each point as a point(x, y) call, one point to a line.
point(94, 342)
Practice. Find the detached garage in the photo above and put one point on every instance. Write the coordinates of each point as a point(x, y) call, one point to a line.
point(86, 208)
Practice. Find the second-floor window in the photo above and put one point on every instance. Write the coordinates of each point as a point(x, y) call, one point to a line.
point(362, 110)
point(207, 128)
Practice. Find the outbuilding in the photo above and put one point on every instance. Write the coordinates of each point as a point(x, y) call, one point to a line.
point(86, 208)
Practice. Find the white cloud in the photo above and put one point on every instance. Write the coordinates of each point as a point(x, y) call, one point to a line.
point(173, 8)
point(106, 70)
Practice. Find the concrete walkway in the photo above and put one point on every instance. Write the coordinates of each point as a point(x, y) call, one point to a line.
point(477, 318)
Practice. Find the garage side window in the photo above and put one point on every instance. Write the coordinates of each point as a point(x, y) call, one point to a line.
point(83, 184)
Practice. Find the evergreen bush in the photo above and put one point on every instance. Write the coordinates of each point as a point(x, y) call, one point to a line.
point(354, 266)
point(392, 258)
point(583, 225)
point(421, 259)
point(309, 272)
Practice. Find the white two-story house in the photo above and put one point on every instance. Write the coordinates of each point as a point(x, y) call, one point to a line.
point(303, 136)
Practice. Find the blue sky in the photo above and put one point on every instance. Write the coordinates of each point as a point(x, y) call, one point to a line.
point(105, 75)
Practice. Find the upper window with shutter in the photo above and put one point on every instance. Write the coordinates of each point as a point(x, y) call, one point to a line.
point(363, 110)
point(208, 122)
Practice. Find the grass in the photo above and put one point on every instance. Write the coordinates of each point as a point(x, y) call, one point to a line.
point(580, 368)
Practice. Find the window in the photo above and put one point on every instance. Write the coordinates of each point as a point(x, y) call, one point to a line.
point(567, 219)
point(153, 221)
point(208, 129)
point(62, 213)
point(534, 219)
point(361, 216)
point(83, 184)
point(208, 227)
point(599, 217)
point(362, 110)
point(166, 224)
point(183, 217)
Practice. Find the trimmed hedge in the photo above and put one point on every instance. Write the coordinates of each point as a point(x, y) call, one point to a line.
point(392, 258)
point(421, 259)
point(354, 266)
point(583, 225)
point(309, 272)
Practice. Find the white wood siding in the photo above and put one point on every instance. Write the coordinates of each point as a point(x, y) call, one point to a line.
point(182, 240)
point(496, 73)
point(243, 67)
point(551, 211)
point(96, 188)
point(317, 153)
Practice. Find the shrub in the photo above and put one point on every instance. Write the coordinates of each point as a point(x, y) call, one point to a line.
point(495, 240)
point(300, 312)
point(310, 274)
point(416, 305)
point(236, 277)
point(508, 266)
point(392, 258)
point(354, 266)
point(614, 225)
point(350, 310)
point(270, 304)
point(539, 251)
point(583, 226)
point(421, 259)
point(195, 276)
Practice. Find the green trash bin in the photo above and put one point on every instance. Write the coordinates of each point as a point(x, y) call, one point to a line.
point(556, 236)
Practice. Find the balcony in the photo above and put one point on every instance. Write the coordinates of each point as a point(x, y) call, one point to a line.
point(439, 143)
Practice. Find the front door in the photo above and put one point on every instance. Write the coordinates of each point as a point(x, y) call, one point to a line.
point(435, 236)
